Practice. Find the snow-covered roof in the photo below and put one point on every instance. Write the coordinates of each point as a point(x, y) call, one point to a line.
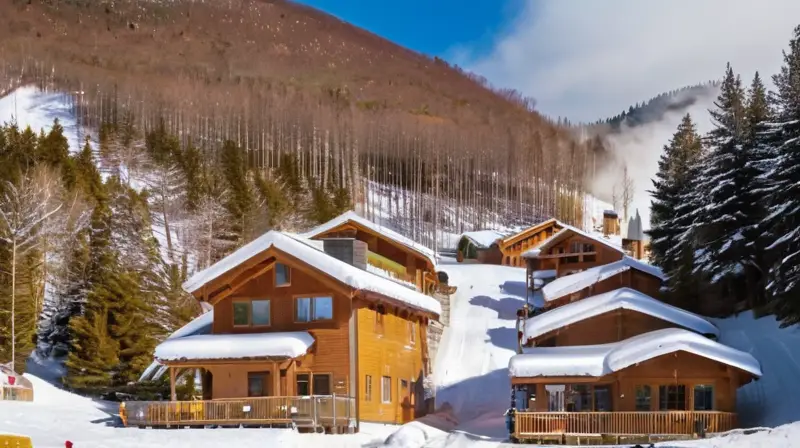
point(612, 241)
point(350, 275)
point(545, 274)
point(199, 325)
point(235, 346)
point(573, 283)
point(351, 216)
point(600, 360)
point(622, 298)
point(533, 227)
point(484, 238)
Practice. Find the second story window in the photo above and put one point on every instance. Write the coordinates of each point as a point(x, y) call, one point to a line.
point(251, 313)
point(412, 332)
point(312, 309)
point(283, 275)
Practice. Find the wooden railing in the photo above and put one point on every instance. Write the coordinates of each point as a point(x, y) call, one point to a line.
point(317, 412)
point(646, 423)
point(11, 393)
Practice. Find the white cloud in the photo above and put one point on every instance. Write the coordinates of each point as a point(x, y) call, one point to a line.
point(587, 60)
point(592, 59)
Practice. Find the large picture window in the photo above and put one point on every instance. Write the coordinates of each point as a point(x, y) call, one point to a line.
point(672, 398)
point(254, 313)
point(312, 309)
point(703, 397)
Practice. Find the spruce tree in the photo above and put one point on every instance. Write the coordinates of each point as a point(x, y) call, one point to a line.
point(670, 187)
point(725, 185)
point(782, 223)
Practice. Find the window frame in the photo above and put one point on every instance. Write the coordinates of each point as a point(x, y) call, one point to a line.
point(648, 396)
point(288, 270)
point(412, 332)
point(664, 397)
point(297, 376)
point(265, 377)
point(367, 387)
point(249, 303)
point(386, 386)
point(709, 388)
point(312, 307)
point(330, 383)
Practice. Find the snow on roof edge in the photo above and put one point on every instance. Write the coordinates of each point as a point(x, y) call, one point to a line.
point(235, 346)
point(572, 283)
point(532, 253)
point(604, 359)
point(348, 274)
point(621, 298)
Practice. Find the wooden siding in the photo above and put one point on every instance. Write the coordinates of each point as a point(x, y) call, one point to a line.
point(328, 355)
point(386, 350)
point(632, 278)
point(512, 248)
point(613, 326)
point(558, 256)
point(680, 368)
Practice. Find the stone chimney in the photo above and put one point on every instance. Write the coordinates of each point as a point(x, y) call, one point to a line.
point(349, 250)
point(610, 223)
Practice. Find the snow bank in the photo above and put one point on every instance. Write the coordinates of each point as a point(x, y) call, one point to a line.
point(622, 298)
point(351, 216)
point(235, 346)
point(348, 274)
point(603, 359)
point(575, 282)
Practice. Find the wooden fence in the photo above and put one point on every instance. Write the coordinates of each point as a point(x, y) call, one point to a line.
point(532, 424)
point(331, 412)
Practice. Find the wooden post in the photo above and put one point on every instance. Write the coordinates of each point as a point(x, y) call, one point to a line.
point(276, 380)
point(172, 393)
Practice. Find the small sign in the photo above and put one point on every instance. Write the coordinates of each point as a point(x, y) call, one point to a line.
point(246, 408)
point(12, 380)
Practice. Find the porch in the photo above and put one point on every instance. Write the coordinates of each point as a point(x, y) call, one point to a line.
point(317, 413)
point(619, 427)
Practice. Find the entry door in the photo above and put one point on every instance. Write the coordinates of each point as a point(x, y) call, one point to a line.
point(555, 397)
point(406, 401)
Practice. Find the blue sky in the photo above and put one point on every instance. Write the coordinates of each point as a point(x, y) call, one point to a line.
point(434, 27)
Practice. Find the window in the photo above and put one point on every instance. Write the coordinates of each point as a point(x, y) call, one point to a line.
point(251, 313)
point(602, 398)
point(241, 313)
point(579, 398)
point(672, 398)
point(368, 388)
point(703, 397)
point(257, 384)
point(303, 385)
point(322, 384)
point(643, 394)
point(386, 389)
point(412, 332)
point(310, 309)
point(283, 275)
point(260, 309)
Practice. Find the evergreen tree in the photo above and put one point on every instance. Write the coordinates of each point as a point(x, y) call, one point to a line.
point(670, 186)
point(782, 223)
point(240, 201)
point(725, 186)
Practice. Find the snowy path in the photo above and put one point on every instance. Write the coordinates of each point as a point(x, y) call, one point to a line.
point(471, 369)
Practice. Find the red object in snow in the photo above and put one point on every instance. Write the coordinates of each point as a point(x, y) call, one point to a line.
point(68, 444)
point(12, 380)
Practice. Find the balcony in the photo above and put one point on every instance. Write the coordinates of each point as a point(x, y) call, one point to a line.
point(317, 413)
point(664, 425)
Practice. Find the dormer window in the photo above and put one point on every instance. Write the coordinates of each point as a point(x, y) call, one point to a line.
point(283, 275)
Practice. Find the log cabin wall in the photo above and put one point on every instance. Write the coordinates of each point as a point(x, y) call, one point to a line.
point(613, 326)
point(330, 352)
point(392, 352)
point(513, 247)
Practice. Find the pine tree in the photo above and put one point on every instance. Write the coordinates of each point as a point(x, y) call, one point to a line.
point(670, 187)
point(240, 196)
point(782, 223)
point(726, 184)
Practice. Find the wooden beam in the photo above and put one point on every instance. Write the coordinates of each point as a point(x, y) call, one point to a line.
point(172, 392)
point(241, 280)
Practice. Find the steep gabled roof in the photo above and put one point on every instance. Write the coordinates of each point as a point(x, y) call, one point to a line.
point(357, 279)
point(622, 298)
point(352, 217)
point(510, 239)
point(573, 283)
point(604, 359)
point(564, 234)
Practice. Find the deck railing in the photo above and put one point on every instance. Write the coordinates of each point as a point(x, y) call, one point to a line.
point(317, 412)
point(14, 393)
point(529, 424)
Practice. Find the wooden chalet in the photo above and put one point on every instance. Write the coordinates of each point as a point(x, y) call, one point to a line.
point(492, 247)
point(623, 367)
point(626, 272)
point(388, 252)
point(296, 337)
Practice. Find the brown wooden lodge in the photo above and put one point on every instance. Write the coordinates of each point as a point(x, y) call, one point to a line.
point(603, 360)
point(300, 337)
